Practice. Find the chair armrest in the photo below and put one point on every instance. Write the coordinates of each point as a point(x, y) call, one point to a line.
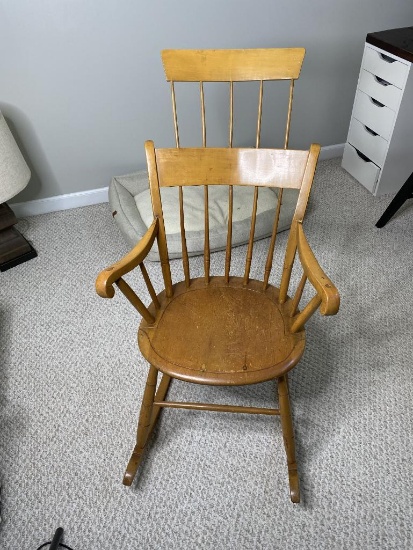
point(106, 278)
point(326, 291)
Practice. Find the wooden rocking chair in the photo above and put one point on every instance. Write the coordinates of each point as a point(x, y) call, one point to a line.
point(224, 330)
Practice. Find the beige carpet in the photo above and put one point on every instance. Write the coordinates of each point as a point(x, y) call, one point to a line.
point(72, 379)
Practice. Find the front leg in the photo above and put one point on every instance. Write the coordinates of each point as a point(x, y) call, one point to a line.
point(143, 426)
point(288, 436)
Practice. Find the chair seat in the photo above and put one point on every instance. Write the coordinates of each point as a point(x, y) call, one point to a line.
point(221, 333)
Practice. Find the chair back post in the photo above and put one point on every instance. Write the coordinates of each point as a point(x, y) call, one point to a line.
point(289, 111)
point(301, 207)
point(157, 211)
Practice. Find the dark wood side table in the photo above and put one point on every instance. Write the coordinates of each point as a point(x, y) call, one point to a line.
point(14, 248)
point(406, 192)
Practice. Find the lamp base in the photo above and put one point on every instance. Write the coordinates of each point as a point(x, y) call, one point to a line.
point(14, 248)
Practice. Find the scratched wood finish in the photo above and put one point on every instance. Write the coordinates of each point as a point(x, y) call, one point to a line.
point(224, 330)
point(238, 166)
point(288, 437)
point(222, 333)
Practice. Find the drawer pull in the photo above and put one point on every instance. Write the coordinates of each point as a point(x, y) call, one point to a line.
point(370, 131)
point(381, 81)
point(377, 103)
point(363, 157)
point(387, 58)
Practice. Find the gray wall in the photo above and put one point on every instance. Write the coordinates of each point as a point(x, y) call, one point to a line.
point(82, 86)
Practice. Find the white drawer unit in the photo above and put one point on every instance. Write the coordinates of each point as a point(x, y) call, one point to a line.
point(379, 148)
point(363, 138)
point(385, 66)
point(374, 114)
point(361, 167)
point(382, 90)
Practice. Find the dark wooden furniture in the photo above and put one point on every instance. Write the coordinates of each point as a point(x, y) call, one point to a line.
point(398, 42)
point(406, 192)
point(14, 248)
point(227, 329)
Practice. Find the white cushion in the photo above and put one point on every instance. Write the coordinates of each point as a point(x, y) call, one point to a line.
point(129, 198)
point(194, 206)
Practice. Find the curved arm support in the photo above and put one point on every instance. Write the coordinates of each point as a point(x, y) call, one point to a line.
point(112, 274)
point(326, 291)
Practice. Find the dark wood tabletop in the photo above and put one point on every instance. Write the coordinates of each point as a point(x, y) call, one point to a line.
point(396, 41)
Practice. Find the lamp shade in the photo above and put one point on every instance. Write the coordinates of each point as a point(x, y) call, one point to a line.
point(14, 172)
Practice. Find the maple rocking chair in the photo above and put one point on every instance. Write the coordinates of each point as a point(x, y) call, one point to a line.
point(224, 330)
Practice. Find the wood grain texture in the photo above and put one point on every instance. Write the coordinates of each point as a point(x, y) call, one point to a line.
point(105, 279)
point(135, 300)
point(259, 116)
point(216, 407)
point(175, 114)
point(225, 330)
point(185, 258)
point(149, 285)
point(231, 114)
point(207, 249)
point(289, 111)
point(288, 436)
point(237, 166)
point(222, 333)
point(144, 426)
point(228, 250)
point(248, 260)
point(328, 293)
point(158, 214)
point(271, 247)
point(233, 65)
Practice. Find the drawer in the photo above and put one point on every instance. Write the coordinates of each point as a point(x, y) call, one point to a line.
point(385, 66)
point(367, 142)
point(365, 171)
point(373, 114)
point(380, 89)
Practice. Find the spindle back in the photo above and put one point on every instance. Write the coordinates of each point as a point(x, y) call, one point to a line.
point(231, 66)
point(181, 167)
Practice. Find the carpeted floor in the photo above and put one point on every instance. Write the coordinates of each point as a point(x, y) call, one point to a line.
point(72, 379)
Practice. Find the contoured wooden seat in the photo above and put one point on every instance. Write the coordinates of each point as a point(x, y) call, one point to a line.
point(200, 335)
point(224, 329)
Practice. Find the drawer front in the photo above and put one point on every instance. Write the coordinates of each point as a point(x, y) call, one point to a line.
point(365, 171)
point(378, 117)
point(370, 144)
point(385, 66)
point(380, 89)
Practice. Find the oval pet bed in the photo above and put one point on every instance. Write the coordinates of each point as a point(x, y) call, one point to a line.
point(130, 201)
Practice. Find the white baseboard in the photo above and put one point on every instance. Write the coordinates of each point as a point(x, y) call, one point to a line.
point(61, 202)
point(97, 196)
point(332, 151)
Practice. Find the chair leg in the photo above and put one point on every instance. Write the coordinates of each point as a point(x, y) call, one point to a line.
point(147, 420)
point(404, 193)
point(288, 436)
